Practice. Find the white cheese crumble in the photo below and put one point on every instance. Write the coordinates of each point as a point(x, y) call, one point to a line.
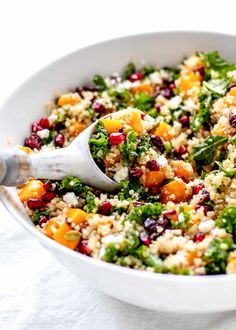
point(70, 198)
point(44, 133)
point(161, 160)
point(52, 118)
point(175, 102)
point(206, 226)
point(122, 174)
point(155, 78)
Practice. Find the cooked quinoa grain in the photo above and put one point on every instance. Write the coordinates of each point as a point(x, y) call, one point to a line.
point(172, 150)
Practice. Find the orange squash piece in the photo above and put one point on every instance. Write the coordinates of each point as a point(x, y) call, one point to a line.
point(51, 224)
point(163, 131)
point(32, 189)
point(189, 81)
point(232, 91)
point(60, 237)
point(76, 129)
point(112, 125)
point(181, 172)
point(136, 122)
point(76, 215)
point(154, 178)
point(142, 88)
point(69, 99)
point(173, 191)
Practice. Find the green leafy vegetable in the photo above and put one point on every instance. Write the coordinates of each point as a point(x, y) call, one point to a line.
point(143, 101)
point(182, 224)
point(111, 252)
point(131, 243)
point(213, 61)
point(147, 70)
point(148, 259)
point(50, 138)
point(99, 82)
point(126, 186)
point(128, 148)
point(204, 152)
point(229, 172)
point(129, 69)
point(120, 97)
point(216, 255)
point(233, 139)
point(90, 203)
point(71, 184)
point(38, 214)
point(99, 144)
point(141, 213)
point(227, 220)
point(144, 144)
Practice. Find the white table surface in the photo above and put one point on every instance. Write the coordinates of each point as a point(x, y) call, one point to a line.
point(36, 292)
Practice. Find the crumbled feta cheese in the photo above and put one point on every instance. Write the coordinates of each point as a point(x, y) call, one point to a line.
point(44, 133)
point(175, 102)
point(155, 78)
point(52, 118)
point(70, 198)
point(122, 174)
point(161, 160)
point(206, 226)
point(112, 239)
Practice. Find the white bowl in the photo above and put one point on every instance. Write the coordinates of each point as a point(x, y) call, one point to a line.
point(155, 291)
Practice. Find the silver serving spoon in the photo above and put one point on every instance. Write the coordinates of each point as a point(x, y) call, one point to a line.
point(16, 167)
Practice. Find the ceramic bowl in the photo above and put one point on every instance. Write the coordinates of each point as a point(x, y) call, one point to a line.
point(27, 104)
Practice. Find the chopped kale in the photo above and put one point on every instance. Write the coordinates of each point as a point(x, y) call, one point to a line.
point(131, 243)
point(99, 82)
point(38, 214)
point(141, 213)
point(184, 224)
point(229, 172)
point(204, 152)
point(216, 255)
point(147, 70)
point(143, 101)
point(128, 148)
point(148, 259)
point(90, 202)
point(111, 252)
point(99, 144)
point(71, 184)
point(144, 144)
point(50, 138)
point(213, 61)
point(120, 97)
point(227, 220)
point(126, 186)
point(129, 70)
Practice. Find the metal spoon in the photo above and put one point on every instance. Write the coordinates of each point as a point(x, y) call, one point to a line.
point(16, 167)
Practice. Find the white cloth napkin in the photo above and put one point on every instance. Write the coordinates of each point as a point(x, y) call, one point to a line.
point(36, 292)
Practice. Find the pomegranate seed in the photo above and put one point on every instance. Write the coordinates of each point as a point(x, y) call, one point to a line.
point(169, 214)
point(198, 188)
point(154, 190)
point(116, 138)
point(136, 76)
point(149, 224)
point(182, 150)
point(232, 121)
point(33, 142)
point(158, 142)
point(83, 248)
point(205, 208)
point(34, 204)
point(166, 92)
point(42, 220)
point(198, 237)
point(59, 140)
point(98, 107)
point(48, 196)
point(47, 186)
point(184, 121)
point(172, 86)
point(152, 165)
point(230, 87)
point(44, 122)
point(36, 127)
point(135, 173)
point(201, 71)
point(137, 204)
point(105, 208)
point(143, 115)
point(144, 238)
point(205, 197)
point(158, 108)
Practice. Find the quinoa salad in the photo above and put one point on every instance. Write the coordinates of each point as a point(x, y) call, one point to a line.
point(172, 149)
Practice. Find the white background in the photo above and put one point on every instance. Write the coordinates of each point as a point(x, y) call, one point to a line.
point(35, 291)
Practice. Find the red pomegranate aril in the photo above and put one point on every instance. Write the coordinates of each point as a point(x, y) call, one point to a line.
point(42, 220)
point(172, 86)
point(152, 165)
point(158, 142)
point(47, 186)
point(36, 127)
point(59, 140)
point(154, 190)
point(198, 237)
point(169, 214)
point(33, 141)
point(182, 150)
point(116, 138)
point(98, 107)
point(198, 188)
point(35, 204)
point(232, 121)
point(135, 173)
point(144, 238)
point(83, 248)
point(44, 122)
point(149, 224)
point(184, 121)
point(158, 108)
point(204, 207)
point(136, 76)
point(143, 115)
point(48, 196)
point(201, 71)
point(105, 208)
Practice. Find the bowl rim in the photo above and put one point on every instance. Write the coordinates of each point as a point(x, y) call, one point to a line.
point(5, 195)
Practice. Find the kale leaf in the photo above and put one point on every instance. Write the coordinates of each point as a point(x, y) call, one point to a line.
point(229, 172)
point(147, 70)
point(126, 186)
point(111, 252)
point(120, 97)
point(129, 70)
point(128, 148)
point(148, 259)
point(141, 213)
point(227, 220)
point(99, 144)
point(143, 101)
point(204, 152)
point(71, 184)
point(213, 61)
point(38, 214)
point(216, 255)
point(144, 144)
point(99, 82)
point(90, 202)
